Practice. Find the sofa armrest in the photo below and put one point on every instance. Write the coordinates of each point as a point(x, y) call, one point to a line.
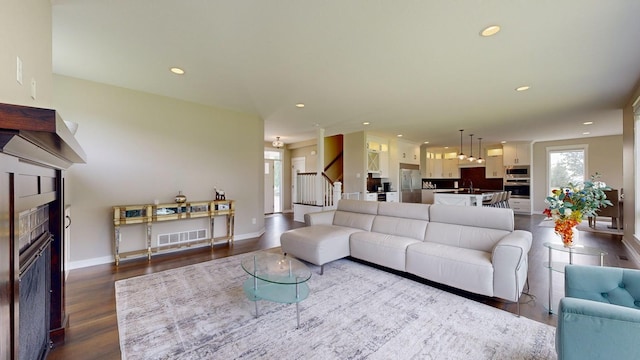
point(594, 330)
point(510, 264)
point(319, 218)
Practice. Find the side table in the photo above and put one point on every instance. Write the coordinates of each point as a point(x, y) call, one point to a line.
point(558, 266)
point(276, 277)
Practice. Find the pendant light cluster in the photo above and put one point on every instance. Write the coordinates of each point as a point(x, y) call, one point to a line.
point(471, 158)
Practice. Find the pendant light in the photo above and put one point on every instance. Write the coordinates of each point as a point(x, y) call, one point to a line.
point(480, 159)
point(461, 156)
point(471, 158)
point(277, 143)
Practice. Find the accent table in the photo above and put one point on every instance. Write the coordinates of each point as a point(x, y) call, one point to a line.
point(276, 277)
point(559, 266)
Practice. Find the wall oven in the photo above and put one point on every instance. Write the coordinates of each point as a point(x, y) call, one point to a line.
point(520, 188)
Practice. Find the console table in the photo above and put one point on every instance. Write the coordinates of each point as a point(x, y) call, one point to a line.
point(149, 214)
point(559, 266)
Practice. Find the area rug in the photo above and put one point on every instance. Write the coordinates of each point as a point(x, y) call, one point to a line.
point(354, 311)
point(601, 226)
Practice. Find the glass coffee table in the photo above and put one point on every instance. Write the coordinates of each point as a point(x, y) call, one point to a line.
point(277, 278)
point(559, 266)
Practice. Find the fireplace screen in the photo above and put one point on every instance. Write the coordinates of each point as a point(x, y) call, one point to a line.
point(33, 223)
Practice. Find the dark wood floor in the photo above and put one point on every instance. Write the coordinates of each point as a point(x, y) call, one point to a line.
point(92, 331)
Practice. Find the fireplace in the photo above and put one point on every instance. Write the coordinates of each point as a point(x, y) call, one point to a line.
point(35, 150)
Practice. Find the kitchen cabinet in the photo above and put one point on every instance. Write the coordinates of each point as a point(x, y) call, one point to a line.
point(450, 169)
point(520, 206)
point(428, 196)
point(392, 196)
point(433, 163)
point(441, 165)
point(408, 152)
point(377, 156)
point(373, 162)
point(516, 153)
point(494, 168)
point(371, 196)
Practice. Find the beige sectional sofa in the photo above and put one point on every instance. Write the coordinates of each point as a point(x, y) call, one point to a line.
point(475, 249)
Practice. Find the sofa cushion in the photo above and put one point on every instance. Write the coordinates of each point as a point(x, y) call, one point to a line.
point(482, 217)
point(404, 210)
point(317, 244)
point(382, 249)
point(468, 237)
point(402, 219)
point(465, 269)
point(355, 214)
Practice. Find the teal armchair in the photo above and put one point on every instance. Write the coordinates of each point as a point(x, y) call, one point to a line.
point(599, 317)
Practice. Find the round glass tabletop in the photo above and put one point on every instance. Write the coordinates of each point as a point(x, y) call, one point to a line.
point(276, 268)
point(576, 249)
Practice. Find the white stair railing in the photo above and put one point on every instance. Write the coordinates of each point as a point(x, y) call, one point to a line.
point(307, 193)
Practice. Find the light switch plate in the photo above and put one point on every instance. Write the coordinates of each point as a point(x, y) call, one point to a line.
point(19, 70)
point(33, 89)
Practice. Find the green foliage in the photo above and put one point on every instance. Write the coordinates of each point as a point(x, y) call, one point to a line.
point(574, 201)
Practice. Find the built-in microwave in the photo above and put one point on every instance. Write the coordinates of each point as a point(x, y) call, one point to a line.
point(517, 172)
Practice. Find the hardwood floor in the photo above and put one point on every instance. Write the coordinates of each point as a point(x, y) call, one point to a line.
point(92, 331)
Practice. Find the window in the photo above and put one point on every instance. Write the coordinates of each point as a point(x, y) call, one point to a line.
point(566, 164)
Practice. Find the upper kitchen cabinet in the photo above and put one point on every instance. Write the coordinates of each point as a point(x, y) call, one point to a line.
point(516, 153)
point(450, 167)
point(408, 152)
point(433, 163)
point(377, 156)
point(441, 165)
point(494, 167)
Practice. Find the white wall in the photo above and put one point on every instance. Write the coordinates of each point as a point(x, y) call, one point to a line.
point(604, 157)
point(142, 147)
point(25, 31)
point(630, 237)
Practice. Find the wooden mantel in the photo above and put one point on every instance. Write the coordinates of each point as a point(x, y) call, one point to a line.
point(28, 132)
point(35, 148)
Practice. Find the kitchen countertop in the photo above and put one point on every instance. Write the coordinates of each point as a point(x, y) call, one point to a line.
point(475, 191)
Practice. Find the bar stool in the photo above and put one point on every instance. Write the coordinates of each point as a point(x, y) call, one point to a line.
point(506, 203)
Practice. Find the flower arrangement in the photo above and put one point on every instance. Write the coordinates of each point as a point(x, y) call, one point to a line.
point(569, 204)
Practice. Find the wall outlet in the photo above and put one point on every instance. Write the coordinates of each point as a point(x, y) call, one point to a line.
point(253, 221)
point(19, 70)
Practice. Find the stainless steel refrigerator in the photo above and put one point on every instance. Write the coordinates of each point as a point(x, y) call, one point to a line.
point(410, 183)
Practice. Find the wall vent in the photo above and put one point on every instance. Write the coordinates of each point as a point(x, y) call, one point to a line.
point(182, 237)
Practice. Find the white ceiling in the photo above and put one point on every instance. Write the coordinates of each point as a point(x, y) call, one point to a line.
point(417, 68)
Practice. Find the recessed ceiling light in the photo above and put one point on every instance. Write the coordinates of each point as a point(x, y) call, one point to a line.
point(490, 30)
point(399, 135)
point(426, 142)
point(299, 105)
point(587, 123)
point(446, 147)
point(503, 142)
point(177, 71)
point(586, 133)
point(366, 123)
point(523, 88)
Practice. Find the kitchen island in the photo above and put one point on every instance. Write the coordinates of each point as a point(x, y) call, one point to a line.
point(463, 197)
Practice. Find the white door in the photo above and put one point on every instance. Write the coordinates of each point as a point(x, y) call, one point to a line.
point(297, 166)
point(268, 186)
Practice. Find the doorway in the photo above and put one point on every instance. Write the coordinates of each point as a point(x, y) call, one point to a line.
point(272, 181)
point(297, 166)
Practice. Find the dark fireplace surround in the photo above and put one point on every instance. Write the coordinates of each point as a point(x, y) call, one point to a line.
point(36, 148)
